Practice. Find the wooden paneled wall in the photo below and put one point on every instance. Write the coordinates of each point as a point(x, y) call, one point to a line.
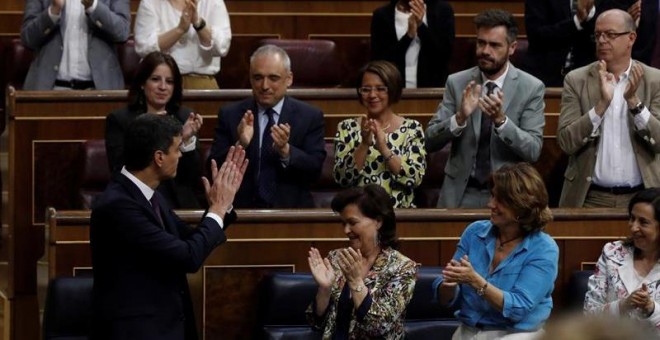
point(300, 18)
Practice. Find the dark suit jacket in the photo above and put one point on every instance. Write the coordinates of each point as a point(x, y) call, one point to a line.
point(436, 42)
point(140, 288)
point(305, 162)
point(109, 23)
point(646, 32)
point(551, 33)
point(184, 191)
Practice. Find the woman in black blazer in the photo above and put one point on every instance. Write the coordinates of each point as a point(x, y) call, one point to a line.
point(157, 89)
point(430, 23)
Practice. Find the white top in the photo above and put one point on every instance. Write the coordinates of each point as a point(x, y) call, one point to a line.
point(75, 34)
point(616, 164)
point(412, 54)
point(155, 17)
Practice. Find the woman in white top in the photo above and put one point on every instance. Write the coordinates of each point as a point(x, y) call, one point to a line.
point(196, 33)
point(627, 277)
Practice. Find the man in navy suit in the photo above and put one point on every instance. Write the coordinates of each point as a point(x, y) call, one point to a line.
point(282, 137)
point(141, 250)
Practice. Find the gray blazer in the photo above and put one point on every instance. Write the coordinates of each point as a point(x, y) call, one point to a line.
point(109, 24)
point(580, 94)
point(519, 141)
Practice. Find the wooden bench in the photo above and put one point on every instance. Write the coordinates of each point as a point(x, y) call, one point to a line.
point(226, 289)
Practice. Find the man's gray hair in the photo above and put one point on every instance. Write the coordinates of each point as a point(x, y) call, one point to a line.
point(268, 50)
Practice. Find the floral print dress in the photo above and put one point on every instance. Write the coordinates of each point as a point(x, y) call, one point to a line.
point(391, 282)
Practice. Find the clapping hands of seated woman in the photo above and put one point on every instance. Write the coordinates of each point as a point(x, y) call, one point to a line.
point(639, 299)
point(459, 272)
point(191, 126)
point(321, 269)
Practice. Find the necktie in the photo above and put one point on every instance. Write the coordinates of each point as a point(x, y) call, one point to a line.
point(267, 163)
point(155, 204)
point(482, 166)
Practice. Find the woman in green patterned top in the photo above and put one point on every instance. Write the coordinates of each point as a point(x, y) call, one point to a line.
point(381, 147)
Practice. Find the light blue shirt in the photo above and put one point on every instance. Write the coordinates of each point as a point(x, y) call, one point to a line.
point(526, 277)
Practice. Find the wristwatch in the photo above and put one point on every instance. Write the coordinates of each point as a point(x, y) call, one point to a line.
point(200, 25)
point(637, 109)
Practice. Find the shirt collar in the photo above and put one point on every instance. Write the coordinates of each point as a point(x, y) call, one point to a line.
point(499, 81)
point(277, 108)
point(144, 189)
point(490, 232)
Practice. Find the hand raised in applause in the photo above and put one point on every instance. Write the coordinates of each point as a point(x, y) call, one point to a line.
point(186, 19)
point(492, 106)
point(606, 82)
point(280, 134)
point(365, 132)
point(635, 11)
point(635, 77)
point(192, 8)
point(321, 269)
point(350, 263)
point(246, 129)
point(57, 6)
point(226, 180)
point(379, 136)
point(583, 9)
point(639, 299)
point(469, 102)
point(192, 126)
point(460, 272)
point(417, 12)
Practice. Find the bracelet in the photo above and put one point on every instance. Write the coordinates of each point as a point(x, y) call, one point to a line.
point(358, 289)
point(481, 291)
point(387, 159)
point(200, 26)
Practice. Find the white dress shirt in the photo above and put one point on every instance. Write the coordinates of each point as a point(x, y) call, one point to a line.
point(154, 17)
point(75, 34)
point(616, 164)
point(412, 54)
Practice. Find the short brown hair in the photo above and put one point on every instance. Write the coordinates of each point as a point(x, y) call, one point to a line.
point(388, 73)
point(521, 188)
point(491, 18)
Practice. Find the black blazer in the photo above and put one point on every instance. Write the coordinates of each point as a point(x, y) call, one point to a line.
point(183, 192)
point(436, 42)
point(305, 162)
point(646, 32)
point(140, 288)
point(551, 33)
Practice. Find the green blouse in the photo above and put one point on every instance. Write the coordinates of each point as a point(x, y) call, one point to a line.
point(407, 142)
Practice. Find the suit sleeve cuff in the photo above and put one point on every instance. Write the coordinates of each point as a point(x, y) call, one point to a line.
point(642, 119)
point(595, 120)
point(217, 218)
point(92, 7)
point(54, 17)
point(456, 129)
point(190, 146)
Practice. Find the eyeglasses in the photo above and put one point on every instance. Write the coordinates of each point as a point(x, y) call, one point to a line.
point(609, 35)
point(365, 90)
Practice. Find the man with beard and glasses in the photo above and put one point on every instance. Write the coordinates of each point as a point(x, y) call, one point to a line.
point(492, 115)
point(609, 123)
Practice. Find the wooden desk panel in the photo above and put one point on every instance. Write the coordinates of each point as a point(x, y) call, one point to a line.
point(261, 241)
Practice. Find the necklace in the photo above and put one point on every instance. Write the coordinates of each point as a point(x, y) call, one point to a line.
point(502, 243)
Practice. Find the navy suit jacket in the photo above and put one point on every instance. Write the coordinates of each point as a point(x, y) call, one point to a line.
point(551, 33)
point(305, 161)
point(140, 288)
point(436, 39)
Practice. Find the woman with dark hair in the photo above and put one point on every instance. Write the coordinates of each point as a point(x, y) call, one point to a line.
point(503, 272)
point(363, 289)
point(157, 89)
point(627, 277)
point(382, 147)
